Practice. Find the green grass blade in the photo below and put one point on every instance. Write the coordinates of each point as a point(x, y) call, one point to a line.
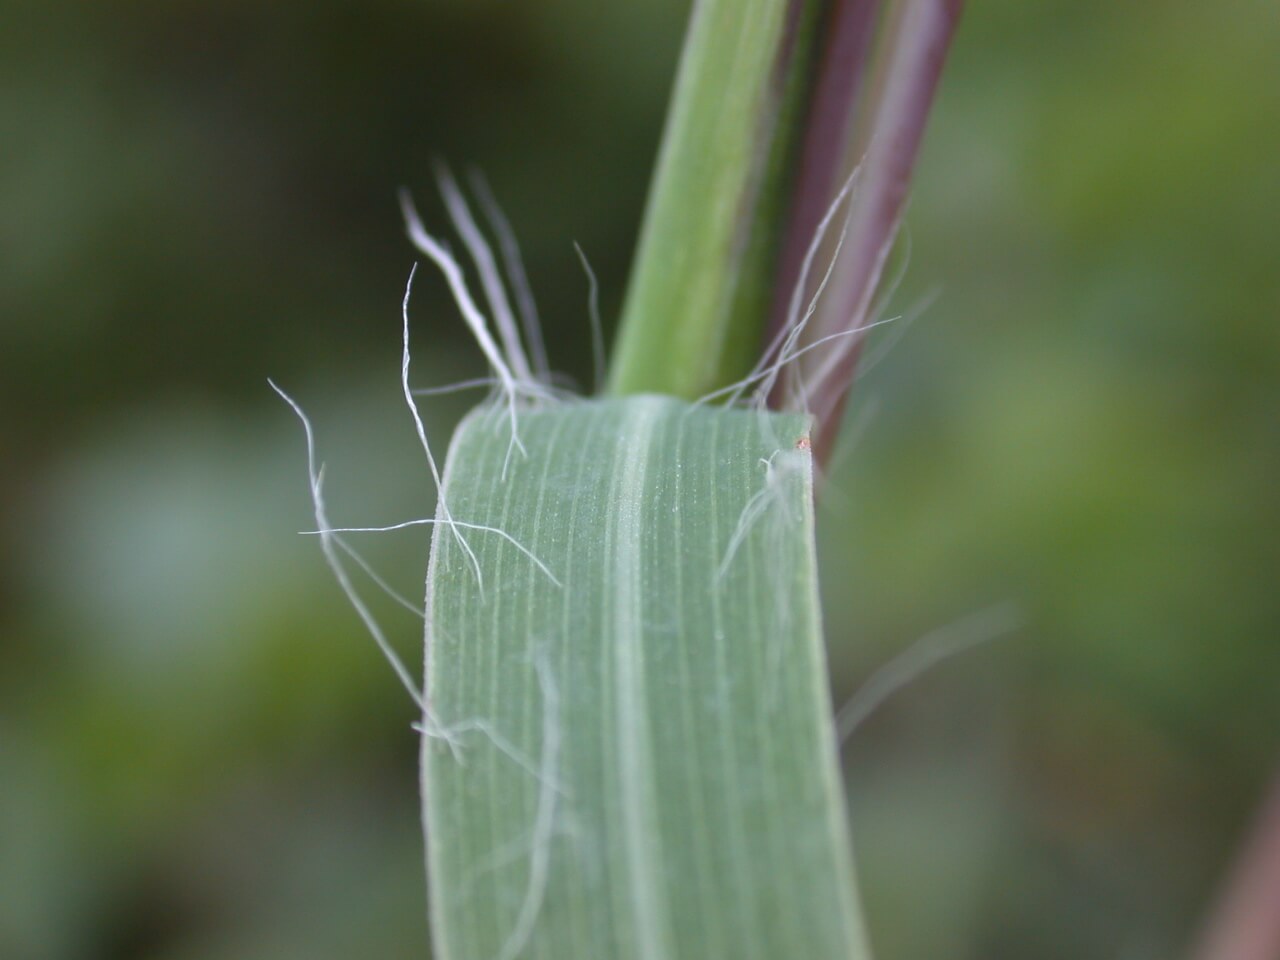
point(633, 753)
point(700, 289)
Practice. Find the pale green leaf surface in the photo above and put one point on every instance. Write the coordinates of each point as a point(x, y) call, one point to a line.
point(643, 760)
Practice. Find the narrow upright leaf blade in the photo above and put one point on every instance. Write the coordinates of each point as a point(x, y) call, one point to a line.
point(697, 303)
point(632, 751)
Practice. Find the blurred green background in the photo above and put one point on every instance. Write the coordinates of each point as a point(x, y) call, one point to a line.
point(201, 755)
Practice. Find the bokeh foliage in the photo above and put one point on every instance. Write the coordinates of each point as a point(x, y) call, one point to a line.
point(200, 755)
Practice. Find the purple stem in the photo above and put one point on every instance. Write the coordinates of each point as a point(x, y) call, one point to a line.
point(913, 48)
point(828, 130)
point(1245, 924)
